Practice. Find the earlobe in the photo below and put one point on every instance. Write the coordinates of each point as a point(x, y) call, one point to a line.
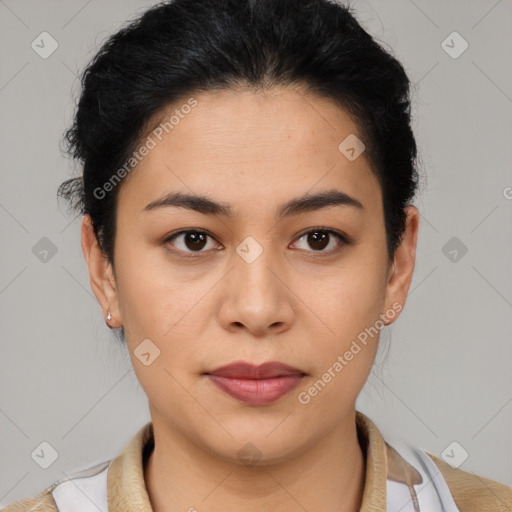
point(100, 274)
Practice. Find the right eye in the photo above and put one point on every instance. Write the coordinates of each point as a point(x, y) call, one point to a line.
point(189, 241)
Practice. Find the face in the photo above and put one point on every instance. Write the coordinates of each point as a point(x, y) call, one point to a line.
point(261, 275)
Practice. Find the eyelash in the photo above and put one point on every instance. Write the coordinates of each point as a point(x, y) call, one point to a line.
point(344, 240)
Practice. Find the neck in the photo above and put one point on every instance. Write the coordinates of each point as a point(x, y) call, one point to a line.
point(327, 476)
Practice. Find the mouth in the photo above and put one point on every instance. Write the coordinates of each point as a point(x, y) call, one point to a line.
point(256, 384)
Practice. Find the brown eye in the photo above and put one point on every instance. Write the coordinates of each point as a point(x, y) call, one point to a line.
point(193, 241)
point(190, 240)
point(319, 239)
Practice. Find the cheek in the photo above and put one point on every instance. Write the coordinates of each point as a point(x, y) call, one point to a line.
point(348, 299)
point(163, 303)
point(358, 305)
point(347, 314)
point(345, 351)
point(152, 293)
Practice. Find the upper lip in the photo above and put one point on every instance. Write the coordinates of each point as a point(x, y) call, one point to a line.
point(243, 370)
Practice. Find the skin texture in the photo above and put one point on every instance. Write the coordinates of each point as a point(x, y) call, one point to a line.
point(294, 304)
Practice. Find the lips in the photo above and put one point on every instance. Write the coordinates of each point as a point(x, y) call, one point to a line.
point(256, 384)
point(242, 370)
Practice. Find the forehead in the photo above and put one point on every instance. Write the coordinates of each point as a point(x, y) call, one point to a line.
point(243, 145)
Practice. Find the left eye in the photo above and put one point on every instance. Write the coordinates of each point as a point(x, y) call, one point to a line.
point(319, 238)
point(193, 241)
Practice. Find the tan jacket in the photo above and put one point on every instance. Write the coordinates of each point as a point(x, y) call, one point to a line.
point(396, 479)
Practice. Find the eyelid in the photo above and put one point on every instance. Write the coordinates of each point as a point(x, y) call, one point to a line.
point(340, 234)
point(188, 254)
point(342, 237)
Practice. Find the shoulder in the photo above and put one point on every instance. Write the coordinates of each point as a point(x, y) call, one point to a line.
point(472, 492)
point(42, 502)
point(84, 490)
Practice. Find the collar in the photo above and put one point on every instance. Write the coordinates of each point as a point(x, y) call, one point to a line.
point(127, 490)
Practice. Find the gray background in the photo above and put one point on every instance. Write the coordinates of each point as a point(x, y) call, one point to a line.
point(446, 376)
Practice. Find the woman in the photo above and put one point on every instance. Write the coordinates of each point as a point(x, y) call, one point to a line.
point(248, 172)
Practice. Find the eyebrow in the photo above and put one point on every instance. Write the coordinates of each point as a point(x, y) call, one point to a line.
point(305, 203)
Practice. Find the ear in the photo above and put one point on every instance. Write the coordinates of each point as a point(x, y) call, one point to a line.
point(100, 273)
point(404, 261)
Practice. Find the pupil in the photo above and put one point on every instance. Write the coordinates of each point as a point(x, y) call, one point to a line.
point(316, 240)
point(197, 239)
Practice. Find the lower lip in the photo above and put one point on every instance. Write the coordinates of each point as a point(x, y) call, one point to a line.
point(257, 391)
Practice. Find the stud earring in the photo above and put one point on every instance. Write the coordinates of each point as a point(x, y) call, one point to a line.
point(109, 317)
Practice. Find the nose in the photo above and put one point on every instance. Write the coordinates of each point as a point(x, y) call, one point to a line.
point(257, 296)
